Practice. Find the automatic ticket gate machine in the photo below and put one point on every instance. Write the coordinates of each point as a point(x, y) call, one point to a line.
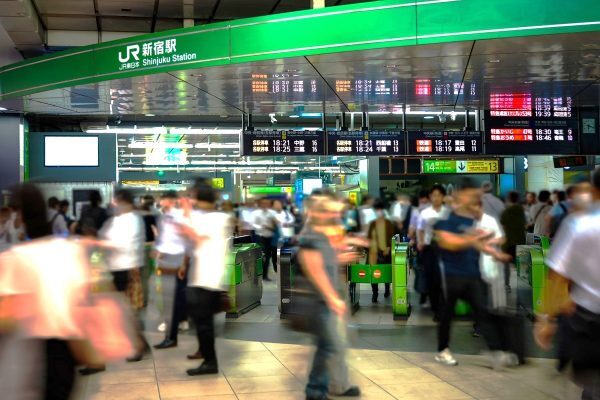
point(532, 272)
point(245, 273)
point(395, 273)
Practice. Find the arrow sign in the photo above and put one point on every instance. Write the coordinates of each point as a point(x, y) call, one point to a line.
point(461, 167)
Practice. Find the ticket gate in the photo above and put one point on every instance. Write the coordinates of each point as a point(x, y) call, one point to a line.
point(245, 268)
point(395, 273)
point(532, 272)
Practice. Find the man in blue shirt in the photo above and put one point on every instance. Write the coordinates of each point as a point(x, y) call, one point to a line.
point(460, 243)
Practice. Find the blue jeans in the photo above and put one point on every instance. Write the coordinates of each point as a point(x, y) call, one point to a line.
point(318, 379)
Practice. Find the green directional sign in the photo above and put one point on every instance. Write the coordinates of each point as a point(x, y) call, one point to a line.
point(270, 189)
point(439, 166)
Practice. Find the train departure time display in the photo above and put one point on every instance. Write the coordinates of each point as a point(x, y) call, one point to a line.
point(283, 142)
point(366, 143)
point(520, 123)
point(444, 142)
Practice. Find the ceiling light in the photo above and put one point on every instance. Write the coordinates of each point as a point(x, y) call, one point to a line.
point(159, 145)
point(294, 116)
point(310, 115)
point(150, 115)
point(3, 109)
point(527, 82)
point(379, 112)
point(428, 117)
point(494, 61)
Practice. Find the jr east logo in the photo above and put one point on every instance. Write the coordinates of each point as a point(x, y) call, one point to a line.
point(132, 51)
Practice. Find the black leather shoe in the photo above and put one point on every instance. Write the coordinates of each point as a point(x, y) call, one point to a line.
point(374, 298)
point(386, 295)
point(91, 371)
point(166, 344)
point(204, 369)
point(353, 391)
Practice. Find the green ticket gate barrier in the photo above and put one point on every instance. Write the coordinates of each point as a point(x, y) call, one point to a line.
point(532, 273)
point(245, 270)
point(395, 273)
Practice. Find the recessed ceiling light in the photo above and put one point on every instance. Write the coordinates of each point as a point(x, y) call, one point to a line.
point(428, 117)
point(150, 115)
point(294, 116)
point(527, 82)
point(494, 61)
point(3, 109)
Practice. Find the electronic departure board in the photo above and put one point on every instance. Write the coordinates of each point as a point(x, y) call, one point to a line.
point(521, 123)
point(444, 142)
point(365, 143)
point(280, 143)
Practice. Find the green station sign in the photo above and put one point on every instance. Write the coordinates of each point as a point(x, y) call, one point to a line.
point(270, 189)
point(487, 166)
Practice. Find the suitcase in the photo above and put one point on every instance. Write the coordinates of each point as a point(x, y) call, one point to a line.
point(511, 327)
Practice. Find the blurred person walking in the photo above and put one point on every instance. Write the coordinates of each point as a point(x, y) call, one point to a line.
point(401, 214)
point(4, 228)
point(92, 216)
point(125, 234)
point(427, 249)
point(573, 292)
point(560, 210)
point(538, 212)
point(380, 235)
point(460, 244)
point(492, 205)
point(58, 223)
point(210, 233)
point(170, 247)
point(319, 264)
point(266, 227)
point(515, 225)
point(285, 219)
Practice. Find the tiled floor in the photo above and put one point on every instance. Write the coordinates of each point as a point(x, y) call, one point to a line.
point(261, 359)
point(270, 371)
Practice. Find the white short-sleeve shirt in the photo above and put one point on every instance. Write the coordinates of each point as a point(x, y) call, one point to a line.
point(575, 253)
point(427, 220)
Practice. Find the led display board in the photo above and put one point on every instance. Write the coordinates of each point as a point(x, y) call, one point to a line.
point(283, 142)
point(444, 142)
point(521, 123)
point(365, 143)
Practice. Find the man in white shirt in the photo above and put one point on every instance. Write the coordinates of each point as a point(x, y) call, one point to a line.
point(210, 233)
point(125, 233)
point(428, 218)
point(170, 246)
point(265, 226)
point(285, 219)
point(573, 291)
point(401, 213)
point(56, 219)
point(491, 204)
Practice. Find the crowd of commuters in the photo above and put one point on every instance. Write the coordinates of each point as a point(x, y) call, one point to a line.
point(175, 252)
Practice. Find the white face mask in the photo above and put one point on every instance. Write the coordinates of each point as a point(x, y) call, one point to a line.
point(582, 200)
point(380, 214)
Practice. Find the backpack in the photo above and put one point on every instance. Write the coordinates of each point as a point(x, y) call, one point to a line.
point(557, 220)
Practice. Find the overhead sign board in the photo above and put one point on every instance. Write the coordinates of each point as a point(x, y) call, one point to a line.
point(281, 143)
point(270, 189)
point(444, 142)
point(461, 166)
point(365, 143)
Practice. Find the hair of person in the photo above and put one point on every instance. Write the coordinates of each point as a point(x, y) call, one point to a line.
point(468, 183)
point(53, 202)
point(64, 203)
point(379, 205)
point(561, 195)
point(95, 198)
point(30, 200)
point(534, 194)
point(570, 190)
point(169, 194)
point(513, 197)
point(544, 196)
point(204, 191)
point(596, 179)
point(124, 196)
point(439, 188)
point(486, 186)
point(424, 194)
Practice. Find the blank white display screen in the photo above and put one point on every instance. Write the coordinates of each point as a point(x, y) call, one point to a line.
point(71, 151)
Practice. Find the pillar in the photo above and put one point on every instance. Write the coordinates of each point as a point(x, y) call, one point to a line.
point(369, 176)
point(541, 174)
point(12, 151)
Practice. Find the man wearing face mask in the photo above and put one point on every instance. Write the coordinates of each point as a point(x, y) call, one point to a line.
point(380, 235)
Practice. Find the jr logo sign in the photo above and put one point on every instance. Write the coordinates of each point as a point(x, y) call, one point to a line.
point(131, 51)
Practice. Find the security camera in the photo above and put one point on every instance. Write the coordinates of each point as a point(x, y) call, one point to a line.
point(273, 119)
point(442, 118)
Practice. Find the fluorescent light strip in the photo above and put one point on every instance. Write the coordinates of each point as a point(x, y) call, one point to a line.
point(159, 145)
point(162, 130)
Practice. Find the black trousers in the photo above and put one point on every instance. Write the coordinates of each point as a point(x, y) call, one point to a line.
point(381, 259)
point(269, 254)
point(179, 312)
point(60, 370)
point(474, 292)
point(202, 304)
point(121, 280)
point(433, 278)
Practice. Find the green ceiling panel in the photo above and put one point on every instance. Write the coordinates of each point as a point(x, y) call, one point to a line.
point(374, 25)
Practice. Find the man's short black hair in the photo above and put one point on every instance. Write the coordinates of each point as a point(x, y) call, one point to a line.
point(544, 196)
point(64, 203)
point(561, 195)
point(169, 194)
point(53, 202)
point(204, 191)
point(124, 196)
point(379, 205)
point(513, 197)
point(424, 194)
point(438, 188)
point(468, 183)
